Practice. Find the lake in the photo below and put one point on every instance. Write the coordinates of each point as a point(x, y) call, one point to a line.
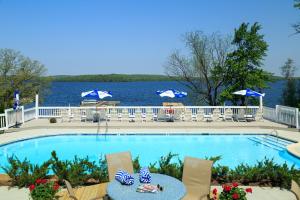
point(134, 93)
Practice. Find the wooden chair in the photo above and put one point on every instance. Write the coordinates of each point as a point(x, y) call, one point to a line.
point(93, 192)
point(196, 178)
point(117, 161)
point(295, 189)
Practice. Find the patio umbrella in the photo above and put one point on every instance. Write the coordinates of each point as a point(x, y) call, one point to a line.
point(97, 94)
point(171, 93)
point(251, 93)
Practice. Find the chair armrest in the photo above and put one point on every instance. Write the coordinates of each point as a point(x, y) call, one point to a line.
point(73, 197)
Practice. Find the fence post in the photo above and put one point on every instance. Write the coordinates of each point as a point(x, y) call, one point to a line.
point(276, 111)
point(297, 118)
point(6, 119)
point(23, 119)
point(36, 106)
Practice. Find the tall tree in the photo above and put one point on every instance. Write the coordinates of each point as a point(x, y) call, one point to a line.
point(202, 71)
point(297, 25)
point(289, 94)
point(19, 73)
point(245, 63)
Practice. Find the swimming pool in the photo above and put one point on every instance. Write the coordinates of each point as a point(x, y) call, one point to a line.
point(234, 149)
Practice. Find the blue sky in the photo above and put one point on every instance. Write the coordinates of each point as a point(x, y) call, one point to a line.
point(119, 36)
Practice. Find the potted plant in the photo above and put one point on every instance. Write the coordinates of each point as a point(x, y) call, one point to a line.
point(231, 192)
point(43, 189)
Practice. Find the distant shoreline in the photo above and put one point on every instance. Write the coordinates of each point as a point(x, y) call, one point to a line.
point(118, 78)
point(109, 78)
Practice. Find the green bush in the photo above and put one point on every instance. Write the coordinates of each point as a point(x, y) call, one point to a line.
point(23, 173)
point(52, 120)
point(81, 171)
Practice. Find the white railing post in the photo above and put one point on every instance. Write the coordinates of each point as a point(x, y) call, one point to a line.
point(276, 111)
point(297, 118)
point(36, 106)
point(6, 119)
point(23, 119)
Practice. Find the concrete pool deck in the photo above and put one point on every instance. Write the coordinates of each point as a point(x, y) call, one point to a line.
point(42, 127)
point(259, 193)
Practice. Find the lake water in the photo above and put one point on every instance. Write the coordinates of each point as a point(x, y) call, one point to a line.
point(134, 93)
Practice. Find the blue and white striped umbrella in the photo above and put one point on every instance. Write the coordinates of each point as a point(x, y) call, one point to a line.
point(249, 93)
point(171, 93)
point(96, 94)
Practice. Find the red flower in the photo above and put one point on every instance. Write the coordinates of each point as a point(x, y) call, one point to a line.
point(38, 181)
point(43, 181)
point(226, 188)
point(215, 191)
point(55, 186)
point(235, 196)
point(249, 190)
point(235, 184)
point(31, 187)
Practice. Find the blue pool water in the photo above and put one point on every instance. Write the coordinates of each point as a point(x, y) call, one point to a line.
point(234, 149)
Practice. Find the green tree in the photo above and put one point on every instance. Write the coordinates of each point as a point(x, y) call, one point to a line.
point(204, 69)
point(245, 63)
point(297, 25)
point(289, 94)
point(18, 72)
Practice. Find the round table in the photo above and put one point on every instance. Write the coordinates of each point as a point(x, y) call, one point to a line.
point(173, 189)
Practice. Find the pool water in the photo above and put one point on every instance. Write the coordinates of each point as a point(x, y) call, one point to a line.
point(234, 149)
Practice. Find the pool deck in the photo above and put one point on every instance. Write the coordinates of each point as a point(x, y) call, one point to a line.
point(42, 127)
point(259, 193)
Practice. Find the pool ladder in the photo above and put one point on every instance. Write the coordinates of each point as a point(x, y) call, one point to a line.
point(98, 127)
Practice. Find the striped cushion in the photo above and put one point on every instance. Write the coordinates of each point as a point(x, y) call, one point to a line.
point(124, 177)
point(145, 176)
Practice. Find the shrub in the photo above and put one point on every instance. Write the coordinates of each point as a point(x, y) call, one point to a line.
point(82, 171)
point(23, 173)
point(52, 120)
point(43, 189)
point(232, 192)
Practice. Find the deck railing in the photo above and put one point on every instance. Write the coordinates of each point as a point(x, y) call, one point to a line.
point(29, 114)
point(2, 122)
point(116, 111)
point(14, 117)
point(283, 114)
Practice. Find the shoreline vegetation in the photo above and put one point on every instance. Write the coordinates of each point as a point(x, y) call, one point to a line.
point(119, 78)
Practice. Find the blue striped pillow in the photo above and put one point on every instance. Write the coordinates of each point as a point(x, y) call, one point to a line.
point(145, 176)
point(124, 177)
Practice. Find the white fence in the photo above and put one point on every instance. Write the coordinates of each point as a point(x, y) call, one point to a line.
point(283, 114)
point(2, 122)
point(29, 114)
point(117, 112)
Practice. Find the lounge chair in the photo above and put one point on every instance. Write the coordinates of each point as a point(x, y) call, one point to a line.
point(196, 178)
point(217, 115)
point(240, 116)
point(228, 114)
point(295, 189)
point(117, 161)
point(94, 192)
